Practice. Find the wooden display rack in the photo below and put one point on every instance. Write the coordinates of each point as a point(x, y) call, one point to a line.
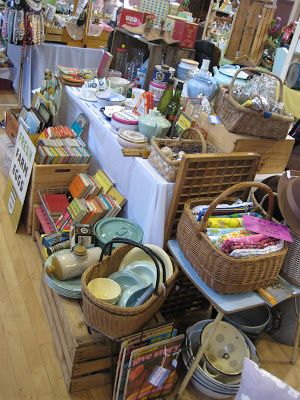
point(251, 29)
point(156, 52)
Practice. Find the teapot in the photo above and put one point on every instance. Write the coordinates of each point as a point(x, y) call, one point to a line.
point(202, 82)
point(224, 75)
point(154, 124)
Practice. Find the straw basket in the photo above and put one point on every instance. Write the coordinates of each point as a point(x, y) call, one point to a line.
point(167, 167)
point(246, 121)
point(221, 272)
point(114, 321)
point(291, 266)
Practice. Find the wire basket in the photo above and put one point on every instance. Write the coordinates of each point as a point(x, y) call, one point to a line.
point(51, 219)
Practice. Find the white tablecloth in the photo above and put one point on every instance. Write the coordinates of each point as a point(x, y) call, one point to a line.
point(48, 56)
point(148, 194)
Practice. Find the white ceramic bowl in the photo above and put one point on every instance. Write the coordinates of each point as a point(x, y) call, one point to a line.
point(112, 99)
point(105, 289)
point(189, 64)
point(119, 85)
point(132, 139)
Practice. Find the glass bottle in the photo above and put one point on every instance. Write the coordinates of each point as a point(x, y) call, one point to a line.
point(121, 59)
point(166, 98)
point(174, 106)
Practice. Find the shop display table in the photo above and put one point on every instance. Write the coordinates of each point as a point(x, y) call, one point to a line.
point(36, 59)
point(148, 194)
point(224, 304)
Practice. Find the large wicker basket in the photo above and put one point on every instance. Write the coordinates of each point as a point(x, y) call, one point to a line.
point(114, 321)
point(291, 266)
point(246, 121)
point(164, 165)
point(221, 272)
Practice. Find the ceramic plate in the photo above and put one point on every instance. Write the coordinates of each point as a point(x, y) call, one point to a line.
point(227, 348)
point(137, 254)
point(144, 269)
point(126, 279)
point(91, 98)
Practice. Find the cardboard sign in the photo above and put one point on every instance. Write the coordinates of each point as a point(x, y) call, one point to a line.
point(19, 175)
point(268, 228)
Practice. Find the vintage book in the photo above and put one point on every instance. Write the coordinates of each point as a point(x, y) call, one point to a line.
point(152, 369)
point(55, 203)
point(103, 181)
point(117, 196)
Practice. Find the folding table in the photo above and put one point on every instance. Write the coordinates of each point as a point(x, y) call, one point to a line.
point(224, 304)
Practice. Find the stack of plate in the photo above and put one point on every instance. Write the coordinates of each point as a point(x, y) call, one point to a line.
point(219, 372)
point(70, 288)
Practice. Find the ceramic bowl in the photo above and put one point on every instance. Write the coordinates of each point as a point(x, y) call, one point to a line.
point(105, 289)
point(181, 72)
point(144, 270)
point(118, 85)
point(131, 296)
point(137, 254)
point(126, 279)
point(188, 64)
point(110, 99)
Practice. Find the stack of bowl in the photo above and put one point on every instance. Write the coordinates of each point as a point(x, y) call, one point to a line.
point(219, 372)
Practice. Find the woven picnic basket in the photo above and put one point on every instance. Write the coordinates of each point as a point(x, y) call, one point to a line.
point(167, 167)
point(291, 265)
point(221, 272)
point(114, 321)
point(245, 121)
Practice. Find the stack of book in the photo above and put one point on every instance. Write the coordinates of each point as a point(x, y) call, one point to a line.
point(85, 186)
point(55, 203)
point(85, 211)
point(62, 151)
point(57, 132)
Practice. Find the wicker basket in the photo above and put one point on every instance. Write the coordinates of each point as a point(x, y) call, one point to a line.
point(245, 121)
point(291, 266)
point(111, 320)
point(221, 272)
point(164, 165)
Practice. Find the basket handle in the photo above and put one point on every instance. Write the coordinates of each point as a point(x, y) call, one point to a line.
point(230, 87)
point(155, 257)
point(236, 188)
point(186, 133)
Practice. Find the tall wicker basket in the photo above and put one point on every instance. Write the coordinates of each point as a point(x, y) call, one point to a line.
point(291, 266)
point(114, 321)
point(246, 121)
point(221, 272)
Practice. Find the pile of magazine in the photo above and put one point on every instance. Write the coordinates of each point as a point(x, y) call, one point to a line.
point(147, 364)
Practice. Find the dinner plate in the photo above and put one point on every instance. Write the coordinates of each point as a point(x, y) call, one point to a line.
point(92, 98)
point(137, 254)
point(126, 279)
point(144, 269)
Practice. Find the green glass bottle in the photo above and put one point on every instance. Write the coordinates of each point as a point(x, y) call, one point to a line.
point(174, 106)
point(166, 98)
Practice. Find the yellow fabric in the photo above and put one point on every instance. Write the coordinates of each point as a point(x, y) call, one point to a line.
point(291, 99)
point(225, 223)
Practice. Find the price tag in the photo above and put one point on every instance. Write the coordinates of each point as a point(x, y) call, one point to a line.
point(159, 376)
point(268, 228)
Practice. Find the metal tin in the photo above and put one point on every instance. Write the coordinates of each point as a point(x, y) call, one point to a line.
point(163, 73)
point(157, 89)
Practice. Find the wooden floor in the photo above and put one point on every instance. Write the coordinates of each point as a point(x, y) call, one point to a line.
point(29, 368)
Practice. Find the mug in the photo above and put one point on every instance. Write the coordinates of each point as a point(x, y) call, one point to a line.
point(118, 85)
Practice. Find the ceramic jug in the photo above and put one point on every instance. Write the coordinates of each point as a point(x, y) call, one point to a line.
point(154, 124)
point(202, 83)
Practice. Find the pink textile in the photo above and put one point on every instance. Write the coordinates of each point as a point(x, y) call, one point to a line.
point(259, 241)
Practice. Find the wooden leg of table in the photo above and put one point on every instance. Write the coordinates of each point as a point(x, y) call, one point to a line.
point(199, 356)
point(296, 342)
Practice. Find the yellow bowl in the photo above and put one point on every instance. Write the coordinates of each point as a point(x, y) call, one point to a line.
point(105, 289)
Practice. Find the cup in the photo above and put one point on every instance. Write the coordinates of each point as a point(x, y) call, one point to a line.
point(118, 85)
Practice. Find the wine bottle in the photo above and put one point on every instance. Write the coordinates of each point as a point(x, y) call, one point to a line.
point(166, 98)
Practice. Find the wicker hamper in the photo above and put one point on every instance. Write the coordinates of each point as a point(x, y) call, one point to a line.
point(246, 121)
point(111, 320)
point(221, 272)
point(164, 165)
point(291, 266)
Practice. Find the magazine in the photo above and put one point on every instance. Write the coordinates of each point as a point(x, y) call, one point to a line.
point(132, 342)
point(152, 369)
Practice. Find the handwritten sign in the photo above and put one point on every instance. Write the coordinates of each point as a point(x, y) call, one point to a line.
point(268, 228)
point(19, 175)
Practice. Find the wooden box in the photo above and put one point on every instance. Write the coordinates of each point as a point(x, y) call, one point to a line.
point(54, 34)
point(274, 153)
point(96, 41)
point(44, 177)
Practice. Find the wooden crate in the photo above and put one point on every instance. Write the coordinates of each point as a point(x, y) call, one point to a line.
point(84, 355)
point(274, 154)
point(54, 34)
point(96, 41)
point(48, 176)
point(251, 30)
